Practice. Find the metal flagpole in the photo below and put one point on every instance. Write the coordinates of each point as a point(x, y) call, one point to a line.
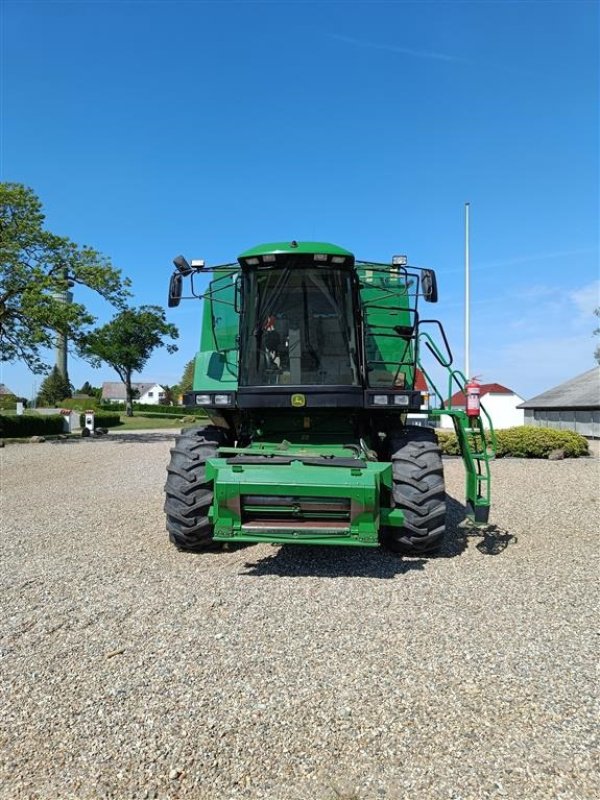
point(467, 296)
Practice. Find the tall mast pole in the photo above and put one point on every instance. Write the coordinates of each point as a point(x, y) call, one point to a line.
point(467, 295)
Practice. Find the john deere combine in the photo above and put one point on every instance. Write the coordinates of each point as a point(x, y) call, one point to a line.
point(307, 369)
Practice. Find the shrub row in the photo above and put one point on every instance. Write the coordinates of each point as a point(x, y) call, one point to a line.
point(30, 425)
point(525, 441)
point(80, 403)
point(159, 415)
point(177, 411)
point(8, 402)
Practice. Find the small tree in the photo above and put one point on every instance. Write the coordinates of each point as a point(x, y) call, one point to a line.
point(127, 342)
point(170, 395)
point(54, 389)
point(187, 379)
point(91, 391)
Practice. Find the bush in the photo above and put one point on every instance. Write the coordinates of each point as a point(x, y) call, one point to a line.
point(80, 403)
point(160, 415)
point(103, 419)
point(531, 442)
point(31, 425)
point(138, 408)
point(525, 441)
point(8, 402)
point(448, 442)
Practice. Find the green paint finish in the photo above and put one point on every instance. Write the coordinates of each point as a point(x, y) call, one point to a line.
point(216, 371)
point(389, 323)
point(217, 361)
point(301, 248)
point(392, 353)
point(297, 502)
point(477, 449)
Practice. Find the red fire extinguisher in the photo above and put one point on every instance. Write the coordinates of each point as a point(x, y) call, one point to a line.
point(472, 392)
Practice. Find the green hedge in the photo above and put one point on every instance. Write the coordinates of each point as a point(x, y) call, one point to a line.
point(448, 442)
point(103, 419)
point(13, 427)
point(8, 402)
point(176, 411)
point(525, 441)
point(80, 403)
point(160, 415)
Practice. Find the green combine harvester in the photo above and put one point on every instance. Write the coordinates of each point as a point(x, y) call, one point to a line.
point(307, 370)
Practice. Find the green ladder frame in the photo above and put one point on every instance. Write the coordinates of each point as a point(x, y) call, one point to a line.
point(477, 446)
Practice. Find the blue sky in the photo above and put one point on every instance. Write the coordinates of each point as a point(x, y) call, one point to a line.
point(154, 128)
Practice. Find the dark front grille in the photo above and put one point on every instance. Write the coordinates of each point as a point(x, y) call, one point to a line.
point(289, 512)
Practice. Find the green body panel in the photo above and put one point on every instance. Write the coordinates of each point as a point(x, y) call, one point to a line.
point(390, 356)
point(215, 370)
point(282, 489)
point(217, 360)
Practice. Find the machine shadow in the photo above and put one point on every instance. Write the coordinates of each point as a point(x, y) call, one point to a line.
point(296, 561)
point(120, 438)
point(494, 540)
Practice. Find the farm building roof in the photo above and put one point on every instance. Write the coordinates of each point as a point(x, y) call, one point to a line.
point(115, 390)
point(458, 398)
point(5, 390)
point(581, 392)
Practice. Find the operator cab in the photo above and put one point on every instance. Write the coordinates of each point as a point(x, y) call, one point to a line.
point(298, 321)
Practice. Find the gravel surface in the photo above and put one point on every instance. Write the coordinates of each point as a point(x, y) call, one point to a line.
point(130, 670)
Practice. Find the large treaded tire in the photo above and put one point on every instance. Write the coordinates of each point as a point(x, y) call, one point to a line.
point(189, 493)
point(418, 489)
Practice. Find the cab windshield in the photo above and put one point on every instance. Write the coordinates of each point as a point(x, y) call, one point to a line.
point(298, 328)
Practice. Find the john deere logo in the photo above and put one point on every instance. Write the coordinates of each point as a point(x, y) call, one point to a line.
point(298, 400)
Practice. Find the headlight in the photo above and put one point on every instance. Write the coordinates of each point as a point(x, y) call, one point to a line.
point(203, 399)
point(401, 399)
point(222, 399)
point(380, 400)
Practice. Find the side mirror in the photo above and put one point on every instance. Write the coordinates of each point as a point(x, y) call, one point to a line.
point(429, 285)
point(182, 265)
point(175, 289)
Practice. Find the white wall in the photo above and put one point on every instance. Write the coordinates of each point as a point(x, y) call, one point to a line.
point(502, 408)
point(158, 395)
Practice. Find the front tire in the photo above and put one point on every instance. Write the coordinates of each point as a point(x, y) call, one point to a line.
point(418, 490)
point(189, 493)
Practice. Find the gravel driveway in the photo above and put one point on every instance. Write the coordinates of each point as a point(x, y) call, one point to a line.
point(130, 670)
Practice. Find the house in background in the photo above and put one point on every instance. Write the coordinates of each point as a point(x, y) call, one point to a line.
point(152, 394)
point(501, 404)
point(573, 405)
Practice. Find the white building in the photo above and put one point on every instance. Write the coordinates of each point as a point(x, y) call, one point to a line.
point(152, 394)
point(500, 403)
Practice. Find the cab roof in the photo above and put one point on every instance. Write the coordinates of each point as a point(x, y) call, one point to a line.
point(295, 248)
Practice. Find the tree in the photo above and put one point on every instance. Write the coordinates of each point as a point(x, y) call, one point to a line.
point(91, 391)
point(127, 342)
point(187, 379)
point(54, 389)
point(170, 395)
point(597, 333)
point(36, 269)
